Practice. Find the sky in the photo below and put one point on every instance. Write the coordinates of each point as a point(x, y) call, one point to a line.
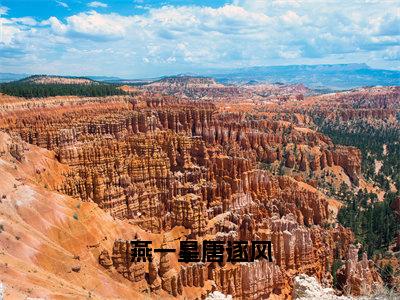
point(148, 38)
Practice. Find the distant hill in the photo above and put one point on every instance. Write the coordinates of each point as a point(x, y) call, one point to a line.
point(105, 78)
point(7, 77)
point(338, 76)
point(50, 79)
point(320, 77)
point(37, 86)
point(185, 80)
point(189, 86)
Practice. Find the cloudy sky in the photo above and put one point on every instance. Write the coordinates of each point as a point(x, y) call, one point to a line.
point(144, 38)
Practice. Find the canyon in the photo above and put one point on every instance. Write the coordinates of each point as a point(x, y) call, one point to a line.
point(181, 160)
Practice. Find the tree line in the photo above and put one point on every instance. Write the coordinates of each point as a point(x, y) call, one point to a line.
point(34, 90)
point(373, 222)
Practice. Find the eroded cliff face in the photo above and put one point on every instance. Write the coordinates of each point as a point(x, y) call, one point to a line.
point(49, 242)
point(162, 163)
point(296, 249)
point(208, 89)
point(358, 277)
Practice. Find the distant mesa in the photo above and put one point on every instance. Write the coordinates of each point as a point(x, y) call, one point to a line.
point(324, 77)
point(184, 80)
point(39, 86)
point(50, 79)
point(334, 77)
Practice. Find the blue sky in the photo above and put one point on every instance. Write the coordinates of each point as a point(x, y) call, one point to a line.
point(143, 38)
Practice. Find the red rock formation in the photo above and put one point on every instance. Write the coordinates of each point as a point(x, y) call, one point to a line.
point(350, 160)
point(358, 277)
point(161, 163)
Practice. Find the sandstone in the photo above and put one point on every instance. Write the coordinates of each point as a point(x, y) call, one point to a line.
point(358, 277)
point(306, 287)
point(161, 163)
point(218, 296)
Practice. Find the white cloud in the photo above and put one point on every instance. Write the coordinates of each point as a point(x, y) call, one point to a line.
point(97, 4)
point(290, 53)
point(56, 25)
point(3, 10)
point(390, 24)
point(392, 53)
point(63, 4)
point(170, 39)
point(92, 25)
point(293, 19)
point(8, 32)
point(29, 21)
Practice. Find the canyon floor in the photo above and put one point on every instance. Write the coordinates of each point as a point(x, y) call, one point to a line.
point(191, 159)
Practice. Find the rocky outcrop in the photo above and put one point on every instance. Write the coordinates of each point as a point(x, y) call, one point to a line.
point(159, 162)
point(350, 160)
point(358, 277)
point(306, 287)
point(194, 88)
point(218, 296)
point(295, 249)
